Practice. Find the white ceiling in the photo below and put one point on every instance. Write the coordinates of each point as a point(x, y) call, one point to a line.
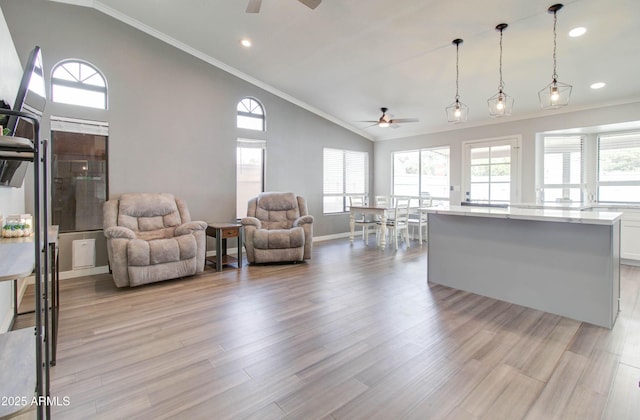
point(347, 58)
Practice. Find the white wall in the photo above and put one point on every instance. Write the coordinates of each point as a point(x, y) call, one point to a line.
point(11, 199)
point(526, 128)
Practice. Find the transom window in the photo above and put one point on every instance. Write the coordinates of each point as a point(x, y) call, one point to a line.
point(77, 82)
point(250, 115)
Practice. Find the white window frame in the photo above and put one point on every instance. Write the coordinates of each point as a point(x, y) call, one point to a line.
point(515, 161)
point(344, 194)
point(591, 161)
point(599, 183)
point(421, 189)
point(249, 112)
point(565, 186)
point(241, 199)
point(78, 83)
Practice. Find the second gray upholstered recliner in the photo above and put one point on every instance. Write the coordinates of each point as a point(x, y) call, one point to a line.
point(150, 237)
point(278, 228)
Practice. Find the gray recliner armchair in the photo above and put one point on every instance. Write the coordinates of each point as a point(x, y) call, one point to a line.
point(278, 228)
point(150, 237)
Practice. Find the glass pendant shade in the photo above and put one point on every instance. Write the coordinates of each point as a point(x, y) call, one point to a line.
point(500, 104)
point(457, 112)
point(556, 94)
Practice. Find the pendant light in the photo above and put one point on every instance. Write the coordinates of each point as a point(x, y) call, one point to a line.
point(555, 94)
point(457, 112)
point(500, 104)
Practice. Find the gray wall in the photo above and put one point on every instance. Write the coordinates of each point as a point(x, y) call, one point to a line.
point(172, 116)
point(526, 128)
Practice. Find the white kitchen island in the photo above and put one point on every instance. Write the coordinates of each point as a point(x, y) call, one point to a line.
point(564, 262)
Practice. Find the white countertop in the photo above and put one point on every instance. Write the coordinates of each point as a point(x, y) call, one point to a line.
point(543, 215)
point(575, 206)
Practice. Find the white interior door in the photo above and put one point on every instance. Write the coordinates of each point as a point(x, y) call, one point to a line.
point(491, 171)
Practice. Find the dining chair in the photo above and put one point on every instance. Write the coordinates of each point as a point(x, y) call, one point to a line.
point(382, 201)
point(419, 218)
point(398, 224)
point(361, 218)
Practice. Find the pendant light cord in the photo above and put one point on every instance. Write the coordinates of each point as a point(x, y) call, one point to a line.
point(457, 70)
point(555, 36)
point(501, 82)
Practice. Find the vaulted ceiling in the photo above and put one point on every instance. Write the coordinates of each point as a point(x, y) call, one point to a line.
point(347, 58)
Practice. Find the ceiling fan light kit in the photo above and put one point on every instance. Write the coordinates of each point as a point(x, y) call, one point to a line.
point(500, 104)
point(457, 112)
point(556, 94)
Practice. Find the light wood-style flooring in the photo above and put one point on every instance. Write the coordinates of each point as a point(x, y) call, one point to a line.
point(355, 333)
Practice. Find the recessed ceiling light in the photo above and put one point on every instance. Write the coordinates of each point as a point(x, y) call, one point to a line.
point(246, 42)
point(579, 31)
point(598, 85)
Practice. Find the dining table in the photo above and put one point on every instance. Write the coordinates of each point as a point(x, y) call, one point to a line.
point(381, 212)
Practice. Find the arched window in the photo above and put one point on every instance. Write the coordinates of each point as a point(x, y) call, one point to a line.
point(77, 82)
point(250, 115)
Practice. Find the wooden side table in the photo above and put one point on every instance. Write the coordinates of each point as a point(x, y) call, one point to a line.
point(222, 231)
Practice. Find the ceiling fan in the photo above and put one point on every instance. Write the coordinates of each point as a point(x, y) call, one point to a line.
point(385, 121)
point(254, 5)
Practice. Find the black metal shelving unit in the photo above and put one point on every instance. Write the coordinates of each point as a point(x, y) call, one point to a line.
point(21, 149)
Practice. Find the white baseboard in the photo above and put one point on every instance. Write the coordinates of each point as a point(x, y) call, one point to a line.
point(71, 274)
point(332, 236)
point(626, 261)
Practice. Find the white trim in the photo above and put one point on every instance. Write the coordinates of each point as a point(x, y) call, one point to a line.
point(71, 274)
point(515, 141)
point(75, 125)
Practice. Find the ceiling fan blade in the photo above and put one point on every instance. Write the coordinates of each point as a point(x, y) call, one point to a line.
point(403, 120)
point(254, 6)
point(311, 4)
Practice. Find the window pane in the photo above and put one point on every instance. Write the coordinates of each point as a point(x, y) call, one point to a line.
point(619, 168)
point(333, 204)
point(480, 173)
point(500, 191)
point(619, 194)
point(79, 184)
point(501, 173)
point(479, 155)
point(621, 164)
point(435, 172)
point(480, 192)
point(501, 154)
point(421, 171)
point(333, 182)
point(355, 173)
point(344, 173)
point(249, 123)
point(406, 177)
point(249, 177)
point(74, 96)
